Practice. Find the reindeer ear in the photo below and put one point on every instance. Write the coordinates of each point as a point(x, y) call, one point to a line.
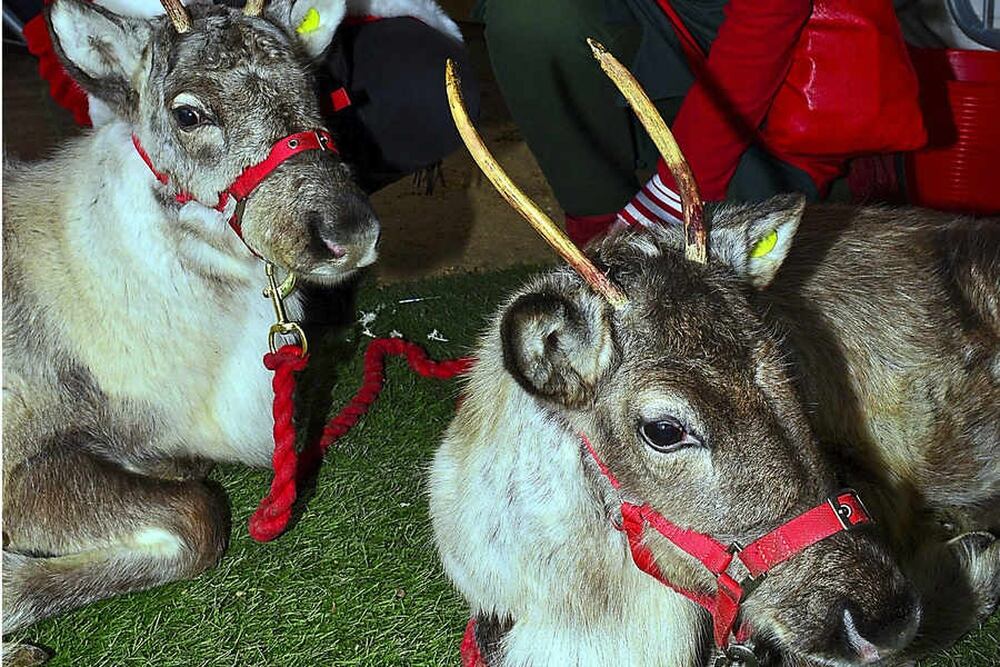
point(557, 347)
point(754, 239)
point(314, 22)
point(101, 50)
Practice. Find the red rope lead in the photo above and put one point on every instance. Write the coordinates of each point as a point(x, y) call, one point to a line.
point(374, 379)
point(275, 511)
point(469, 650)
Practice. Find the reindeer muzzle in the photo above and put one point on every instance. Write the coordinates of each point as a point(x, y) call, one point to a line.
point(251, 177)
point(737, 569)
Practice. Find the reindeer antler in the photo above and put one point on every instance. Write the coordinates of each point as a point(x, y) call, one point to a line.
point(520, 201)
point(178, 15)
point(253, 7)
point(695, 241)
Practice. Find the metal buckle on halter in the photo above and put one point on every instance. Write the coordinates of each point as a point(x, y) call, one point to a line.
point(743, 577)
point(321, 139)
point(845, 512)
point(737, 655)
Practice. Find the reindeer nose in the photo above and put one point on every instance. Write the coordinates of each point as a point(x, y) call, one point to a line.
point(348, 230)
point(337, 250)
point(873, 639)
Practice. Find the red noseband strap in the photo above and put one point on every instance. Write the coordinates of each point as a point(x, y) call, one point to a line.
point(252, 176)
point(283, 149)
point(738, 570)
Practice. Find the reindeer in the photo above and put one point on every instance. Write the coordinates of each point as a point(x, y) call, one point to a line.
point(133, 319)
point(693, 398)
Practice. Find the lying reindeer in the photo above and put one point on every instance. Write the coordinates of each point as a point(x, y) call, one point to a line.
point(612, 431)
point(133, 319)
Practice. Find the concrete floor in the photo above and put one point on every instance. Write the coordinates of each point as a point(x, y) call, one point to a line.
point(464, 225)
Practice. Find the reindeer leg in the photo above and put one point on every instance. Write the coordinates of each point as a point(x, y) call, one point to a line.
point(178, 469)
point(959, 584)
point(979, 555)
point(23, 655)
point(78, 529)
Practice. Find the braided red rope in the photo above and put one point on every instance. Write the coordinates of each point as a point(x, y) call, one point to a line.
point(275, 511)
point(469, 649)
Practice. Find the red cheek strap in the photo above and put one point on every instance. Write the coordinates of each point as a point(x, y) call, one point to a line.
point(284, 148)
point(738, 570)
point(251, 177)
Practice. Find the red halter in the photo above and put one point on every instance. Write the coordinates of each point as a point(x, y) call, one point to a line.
point(738, 569)
point(252, 176)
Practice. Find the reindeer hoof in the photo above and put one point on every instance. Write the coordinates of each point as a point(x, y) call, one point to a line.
point(979, 553)
point(177, 470)
point(975, 541)
point(25, 655)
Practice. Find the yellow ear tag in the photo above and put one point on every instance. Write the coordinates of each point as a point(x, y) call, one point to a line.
point(309, 22)
point(765, 245)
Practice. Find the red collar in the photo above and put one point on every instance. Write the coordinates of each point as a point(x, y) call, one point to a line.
point(738, 569)
point(252, 176)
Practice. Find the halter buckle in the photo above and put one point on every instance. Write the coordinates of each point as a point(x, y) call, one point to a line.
point(323, 139)
point(738, 571)
point(737, 655)
point(845, 512)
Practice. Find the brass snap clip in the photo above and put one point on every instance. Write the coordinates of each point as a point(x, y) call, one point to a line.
point(282, 326)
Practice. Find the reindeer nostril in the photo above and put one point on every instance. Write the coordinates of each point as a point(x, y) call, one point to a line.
point(864, 649)
point(338, 251)
point(874, 638)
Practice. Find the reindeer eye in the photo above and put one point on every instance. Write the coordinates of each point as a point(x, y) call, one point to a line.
point(187, 117)
point(664, 435)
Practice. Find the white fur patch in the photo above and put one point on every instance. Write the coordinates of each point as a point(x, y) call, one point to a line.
point(179, 301)
point(158, 541)
point(520, 532)
point(426, 11)
point(73, 27)
point(99, 112)
point(330, 14)
point(140, 8)
point(646, 246)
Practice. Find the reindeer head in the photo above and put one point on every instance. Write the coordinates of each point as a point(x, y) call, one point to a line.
point(686, 396)
point(666, 370)
point(208, 91)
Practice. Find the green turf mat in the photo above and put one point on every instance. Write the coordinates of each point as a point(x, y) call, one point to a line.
point(356, 581)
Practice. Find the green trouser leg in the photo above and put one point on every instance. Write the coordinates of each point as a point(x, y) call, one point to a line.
point(586, 142)
point(565, 107)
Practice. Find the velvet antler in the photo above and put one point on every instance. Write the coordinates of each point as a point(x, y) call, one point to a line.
point(177, 14)
point(520, 201)
point(695, 240)
point(253, 7)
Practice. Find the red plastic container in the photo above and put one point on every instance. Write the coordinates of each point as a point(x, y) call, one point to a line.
point(959, 170)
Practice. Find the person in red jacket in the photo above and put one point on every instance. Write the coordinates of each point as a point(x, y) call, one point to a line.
point(586, 141)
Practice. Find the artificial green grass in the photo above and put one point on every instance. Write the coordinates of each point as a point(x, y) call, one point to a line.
point(356, 581)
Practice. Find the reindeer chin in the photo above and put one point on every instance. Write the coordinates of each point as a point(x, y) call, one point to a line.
point(337, 269)
point(327, 279)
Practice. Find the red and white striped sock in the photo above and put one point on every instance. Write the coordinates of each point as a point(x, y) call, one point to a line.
point(582, 228)
point(655, 204)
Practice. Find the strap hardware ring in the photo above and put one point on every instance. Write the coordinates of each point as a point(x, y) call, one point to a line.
point(737, 655)
point(740, 573)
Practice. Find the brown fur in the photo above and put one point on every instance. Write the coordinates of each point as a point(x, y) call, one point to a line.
point(872, 329)
point(133, 325)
